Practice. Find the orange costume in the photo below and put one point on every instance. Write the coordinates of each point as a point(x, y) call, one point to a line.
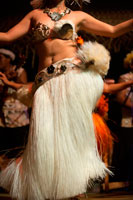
point(103, 134)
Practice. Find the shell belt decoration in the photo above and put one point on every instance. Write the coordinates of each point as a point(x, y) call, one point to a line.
point(53, 71)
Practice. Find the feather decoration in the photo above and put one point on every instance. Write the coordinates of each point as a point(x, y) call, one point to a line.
point(86, 1)
point(96, 57)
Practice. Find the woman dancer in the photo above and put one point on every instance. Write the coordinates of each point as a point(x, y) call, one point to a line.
point(61, 156)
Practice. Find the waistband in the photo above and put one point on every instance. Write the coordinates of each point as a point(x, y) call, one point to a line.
point(56, 69)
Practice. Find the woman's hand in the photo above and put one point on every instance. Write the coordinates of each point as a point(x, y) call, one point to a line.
point(4, 78)
point(10, 83)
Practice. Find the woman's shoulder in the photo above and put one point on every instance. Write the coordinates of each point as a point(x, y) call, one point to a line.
point(37, 11)
point(79, 15)
point(77, 12)
point(34, 12)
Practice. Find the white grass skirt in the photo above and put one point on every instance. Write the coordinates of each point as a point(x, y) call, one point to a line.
point(61, 157)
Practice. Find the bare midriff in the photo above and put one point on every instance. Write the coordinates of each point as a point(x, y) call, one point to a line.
point(51, 51)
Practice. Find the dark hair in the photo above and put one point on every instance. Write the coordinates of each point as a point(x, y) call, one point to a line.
point(77, 4)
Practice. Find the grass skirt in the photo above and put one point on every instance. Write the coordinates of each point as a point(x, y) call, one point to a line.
point(61, 157)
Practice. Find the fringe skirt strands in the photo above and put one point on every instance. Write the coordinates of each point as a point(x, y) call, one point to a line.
point(61, 157)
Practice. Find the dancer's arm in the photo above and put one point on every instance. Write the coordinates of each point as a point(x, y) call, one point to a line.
point(92, 25)
point(15, 85)
point(17, 31)
point(10, 83)
point(116, 87)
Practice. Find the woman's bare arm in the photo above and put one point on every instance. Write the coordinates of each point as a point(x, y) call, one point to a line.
point(10, 83)
point(16, 85)
point(116, 87)
point(17, 31)
point(92, 25)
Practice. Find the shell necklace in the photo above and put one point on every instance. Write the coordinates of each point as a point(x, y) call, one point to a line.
point(55, 16)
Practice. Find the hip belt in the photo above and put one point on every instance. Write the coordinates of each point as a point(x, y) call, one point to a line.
point(54, 70)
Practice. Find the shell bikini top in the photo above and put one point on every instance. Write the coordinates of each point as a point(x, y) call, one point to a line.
point(63, 29)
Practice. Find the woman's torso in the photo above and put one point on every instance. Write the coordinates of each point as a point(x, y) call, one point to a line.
point(53, 48)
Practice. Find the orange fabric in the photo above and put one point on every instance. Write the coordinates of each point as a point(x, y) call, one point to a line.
point(102, 106)
point(79, 40)
point(103, 135)
point(102, 132)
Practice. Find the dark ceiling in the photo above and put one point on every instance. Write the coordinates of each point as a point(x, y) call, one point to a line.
point(15, 7)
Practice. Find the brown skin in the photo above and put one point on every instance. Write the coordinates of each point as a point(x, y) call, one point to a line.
point(7, 73)
point(116, 87)
point(53, 50)
point(22, 80)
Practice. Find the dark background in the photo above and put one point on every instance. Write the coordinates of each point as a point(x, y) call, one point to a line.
point(17, 7)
